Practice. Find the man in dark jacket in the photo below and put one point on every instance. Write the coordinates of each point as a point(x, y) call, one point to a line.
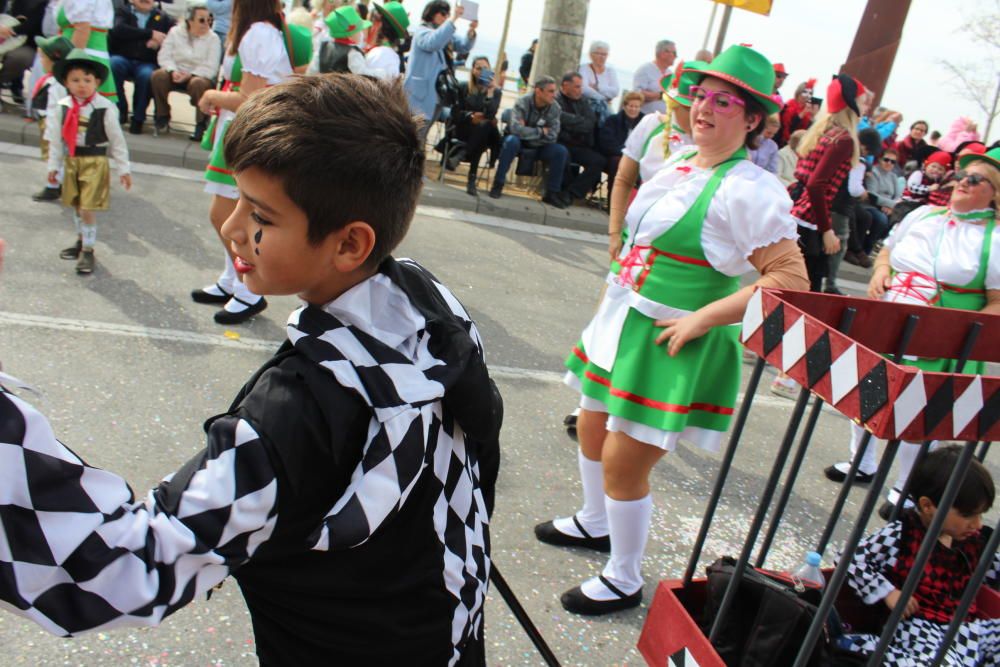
point(577, 132)
point(16, 62)
point(136, 37)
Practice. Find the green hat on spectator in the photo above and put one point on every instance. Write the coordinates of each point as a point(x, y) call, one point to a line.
point(747, 69)
point(56, 47)
point(991, 157)
point(346, 21)
point(678, 85)
point(395, 15)
point(79, 56)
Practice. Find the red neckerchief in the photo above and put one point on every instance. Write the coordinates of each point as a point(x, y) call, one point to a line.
point(342, 40)
point(71, 126)
point(38, 86)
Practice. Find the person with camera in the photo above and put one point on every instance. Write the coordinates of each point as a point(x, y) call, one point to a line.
point(474, 117)
point(428, 59)
point(535, 125)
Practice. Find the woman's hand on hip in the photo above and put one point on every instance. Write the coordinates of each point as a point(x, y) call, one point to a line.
point(681, 331)
point(831, 243)
point(880, 281)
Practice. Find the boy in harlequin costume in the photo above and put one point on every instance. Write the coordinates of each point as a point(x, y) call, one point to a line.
point(349, 485)
point(660, 361)
point(928, 185)
point(938, 256)
point(341, 53)
point(882, 562)
point(44, 98)
point(86, 127)
point(86, 23)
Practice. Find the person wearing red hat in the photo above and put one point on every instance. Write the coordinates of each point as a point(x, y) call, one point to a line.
point(928, 185)
point(828, 150)
point(798, 113)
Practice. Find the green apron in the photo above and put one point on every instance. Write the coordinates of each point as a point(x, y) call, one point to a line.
point(298, 45)
point(698, 387)
point(971, 296)
point(97, 45)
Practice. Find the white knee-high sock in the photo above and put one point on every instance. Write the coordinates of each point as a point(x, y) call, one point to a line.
point(868, 461)
point(629, 524)
point(88, 234)
point(592, 516)
point(228, 276)
point(905, 459)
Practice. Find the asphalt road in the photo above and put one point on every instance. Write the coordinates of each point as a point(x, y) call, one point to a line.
point(129, 368)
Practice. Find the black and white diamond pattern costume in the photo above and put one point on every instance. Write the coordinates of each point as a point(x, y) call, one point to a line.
point(347, 489)
point(916, 640)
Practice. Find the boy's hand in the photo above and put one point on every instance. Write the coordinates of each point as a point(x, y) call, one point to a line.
point(681, 331)
point(126, 180)
point(879, 282)
point(892, 599)
point(52, 178)
point(933, 188)
point(207, 104)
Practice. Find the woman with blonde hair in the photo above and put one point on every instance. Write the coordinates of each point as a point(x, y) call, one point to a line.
point(939, 256)
point(828, 151)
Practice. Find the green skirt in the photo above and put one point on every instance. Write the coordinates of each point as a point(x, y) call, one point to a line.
point(695, 389)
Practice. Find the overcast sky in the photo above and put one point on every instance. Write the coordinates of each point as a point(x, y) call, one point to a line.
point(812, 38)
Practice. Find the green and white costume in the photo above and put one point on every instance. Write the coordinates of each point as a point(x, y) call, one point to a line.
point(100, 14)
point(645, 144)
point(690, 233)
point(266, 52)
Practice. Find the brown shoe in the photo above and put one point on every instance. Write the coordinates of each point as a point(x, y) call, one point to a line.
point(73, 252)
point(85, 265)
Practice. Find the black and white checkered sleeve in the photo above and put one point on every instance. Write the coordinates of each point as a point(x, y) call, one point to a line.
point(874, 555)
point(78, 553)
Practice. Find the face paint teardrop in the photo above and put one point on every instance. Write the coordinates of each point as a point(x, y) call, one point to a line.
point(256, 239)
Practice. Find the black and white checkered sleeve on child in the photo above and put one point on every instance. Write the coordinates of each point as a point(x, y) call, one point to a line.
point(874, 555)
point(78, 553)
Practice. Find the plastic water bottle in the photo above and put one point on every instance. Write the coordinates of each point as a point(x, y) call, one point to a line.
point(810, 571)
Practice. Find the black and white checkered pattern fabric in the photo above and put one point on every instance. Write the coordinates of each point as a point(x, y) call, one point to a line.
point(78, 553)
point(916, 642)
point(376, 342)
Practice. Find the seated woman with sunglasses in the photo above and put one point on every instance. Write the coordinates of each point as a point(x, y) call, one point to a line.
point(660, 361)
point(189, 62)
point(939, 256)
point(884, 188)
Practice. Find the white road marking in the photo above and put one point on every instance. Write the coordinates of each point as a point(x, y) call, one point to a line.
point(258, 345)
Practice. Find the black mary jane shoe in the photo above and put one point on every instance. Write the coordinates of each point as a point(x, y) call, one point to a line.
point(226, 317)
point(548, 533)
point(203, 296)
point(835, 474)
point(575, 602)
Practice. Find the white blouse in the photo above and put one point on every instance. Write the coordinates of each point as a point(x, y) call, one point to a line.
point(940, 247)
point(653, 160)
point(98, 13)
point(262, 53)
point(383, 63)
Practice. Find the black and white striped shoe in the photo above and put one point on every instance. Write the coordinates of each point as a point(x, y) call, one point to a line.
point(548, 533)
point(576, 601)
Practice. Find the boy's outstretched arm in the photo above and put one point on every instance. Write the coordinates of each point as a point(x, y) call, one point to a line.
point(77, 553)
point(871, 558)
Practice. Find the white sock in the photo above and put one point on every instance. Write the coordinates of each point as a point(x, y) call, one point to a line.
point(592, 516)
point(77, 223)
point(906, 457)
point(241, 292)
point(88, 234)
point(629, 524)
point(868, 462)
point(228, 275)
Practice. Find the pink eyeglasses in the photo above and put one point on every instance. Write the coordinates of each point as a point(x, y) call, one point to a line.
point(724, 104)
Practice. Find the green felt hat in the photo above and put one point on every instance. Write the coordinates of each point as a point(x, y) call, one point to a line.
point(79, 56)
point(678, 85)
point(991, 157)
point(747, 69)
point(56, 47)
point(395, 15)
point(346, 21)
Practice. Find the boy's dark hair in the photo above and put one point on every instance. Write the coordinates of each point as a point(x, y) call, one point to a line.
point(434, 7)
point(345, 148)
point(871, 140)
point(977, 492)
point(86, 66)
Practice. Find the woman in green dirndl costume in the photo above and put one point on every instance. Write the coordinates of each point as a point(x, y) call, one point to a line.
point(86, 23)
point(938, 256)
point(262, 50)
point(660, 361)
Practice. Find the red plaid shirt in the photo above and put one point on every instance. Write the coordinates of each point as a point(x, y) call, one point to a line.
point(820, 173)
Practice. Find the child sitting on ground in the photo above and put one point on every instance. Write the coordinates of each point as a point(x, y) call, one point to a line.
point(929, 185)
point(88, 130)
point(348, 487)
point(45, 97)
point(883, 560)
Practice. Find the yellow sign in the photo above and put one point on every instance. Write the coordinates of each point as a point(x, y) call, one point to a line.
point(755, 6)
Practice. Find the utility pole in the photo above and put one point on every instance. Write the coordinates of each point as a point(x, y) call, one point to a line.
point(502, 51)
point(993, 113)
point(723, 27)
point(560, 43)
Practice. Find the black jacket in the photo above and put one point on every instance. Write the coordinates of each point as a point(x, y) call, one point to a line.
point(476, 101)
point(128, 40)
point(611, 139)
point(30, 13)
point(577, 122)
